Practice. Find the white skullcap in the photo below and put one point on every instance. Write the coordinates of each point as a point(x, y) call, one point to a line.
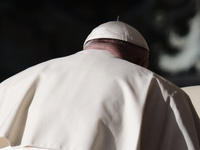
point(119, 31)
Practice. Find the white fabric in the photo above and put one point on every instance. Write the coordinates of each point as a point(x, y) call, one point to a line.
point(23, 148)
point(194, 94)
point(120, 31)
point(93, 100)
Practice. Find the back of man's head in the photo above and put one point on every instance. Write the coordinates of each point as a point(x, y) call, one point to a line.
point(120, 39)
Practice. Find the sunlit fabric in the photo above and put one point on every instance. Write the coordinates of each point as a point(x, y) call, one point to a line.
point(194, 94)
point(23, 148)
point(93, 100)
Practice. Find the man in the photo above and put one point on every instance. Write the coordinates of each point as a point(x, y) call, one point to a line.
point(98, 99)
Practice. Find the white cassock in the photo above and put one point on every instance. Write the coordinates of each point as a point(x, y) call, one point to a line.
point(93, 100)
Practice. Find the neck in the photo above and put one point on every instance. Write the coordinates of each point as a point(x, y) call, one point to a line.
point(111, 49)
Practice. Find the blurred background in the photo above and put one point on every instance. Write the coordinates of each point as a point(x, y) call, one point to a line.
point(35, 31)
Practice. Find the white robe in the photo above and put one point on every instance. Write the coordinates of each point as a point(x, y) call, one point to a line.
point(93, 100)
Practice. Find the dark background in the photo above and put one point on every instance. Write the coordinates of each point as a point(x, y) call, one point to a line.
point(35, 31)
